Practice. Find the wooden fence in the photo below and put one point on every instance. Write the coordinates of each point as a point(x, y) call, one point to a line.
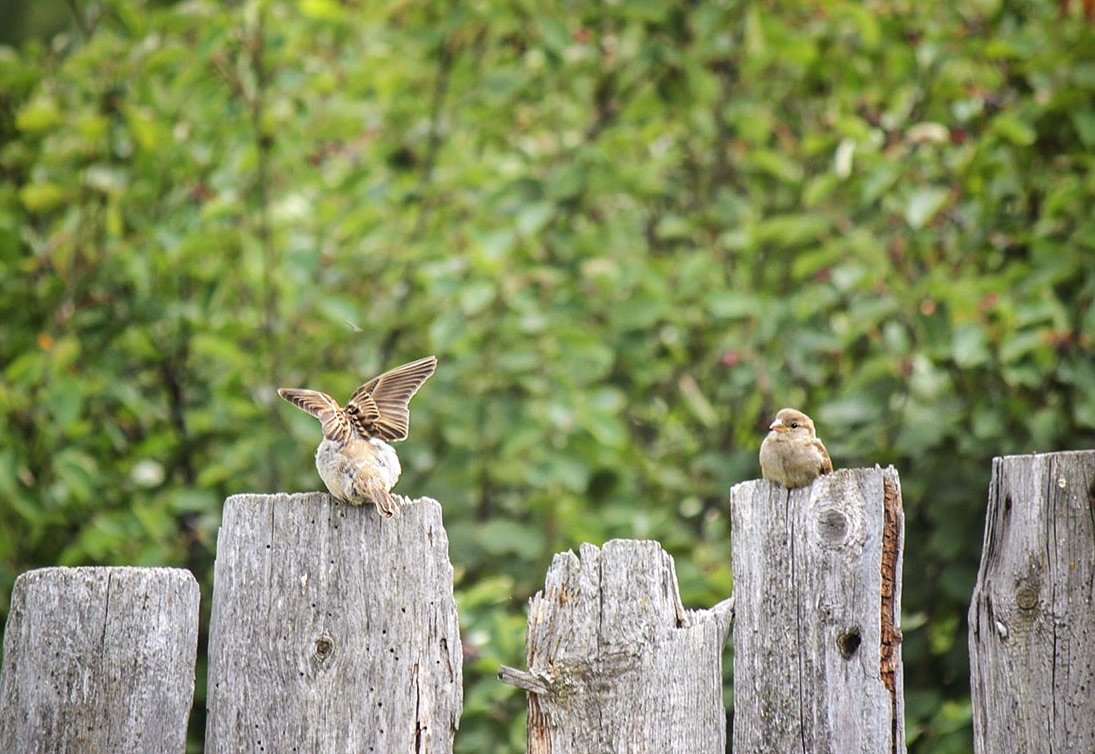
point(335, 631)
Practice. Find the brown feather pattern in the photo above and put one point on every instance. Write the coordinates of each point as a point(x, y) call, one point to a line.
point(379, 408)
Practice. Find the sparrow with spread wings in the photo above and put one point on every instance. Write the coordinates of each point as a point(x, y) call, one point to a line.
point(792, 454)
point(355, 460)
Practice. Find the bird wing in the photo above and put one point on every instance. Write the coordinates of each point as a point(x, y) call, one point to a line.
point(323, 407)
point(826, 465)
point(381, 404)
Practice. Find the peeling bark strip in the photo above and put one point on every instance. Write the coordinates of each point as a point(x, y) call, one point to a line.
point(616, 664)
point(893, 544)
point(1032, 617)
point(817, 583)
point(99, 660)
point(332, 630)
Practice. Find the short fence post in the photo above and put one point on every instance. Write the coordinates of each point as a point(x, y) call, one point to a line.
point(1032, 617)
point(616, 664)
point(99, 659)
point(817, 584)
point(333, 630)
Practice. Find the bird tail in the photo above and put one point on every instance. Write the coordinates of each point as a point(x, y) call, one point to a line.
point(385, 502)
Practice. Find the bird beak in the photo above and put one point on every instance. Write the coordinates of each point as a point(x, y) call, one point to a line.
point(779, 426)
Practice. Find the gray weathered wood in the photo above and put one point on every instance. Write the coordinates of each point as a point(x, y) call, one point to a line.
point(333, 630)
point(817, 583)
point(1032, 617)
point(99, 660)
point(616, 664)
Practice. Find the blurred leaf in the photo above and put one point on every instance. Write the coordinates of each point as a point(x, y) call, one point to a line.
point(970, 346)
point(1013, 129)
point(38, 115)
point(923, 205)
point(41, 197)
point(500, 537)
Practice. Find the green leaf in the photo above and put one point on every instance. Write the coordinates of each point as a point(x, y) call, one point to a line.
point(970, 347)
point(924, 204)
point(42, 197)
point(322, 10)
point(1012, 129)
point(38, 115)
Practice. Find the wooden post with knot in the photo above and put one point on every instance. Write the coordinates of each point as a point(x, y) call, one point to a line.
point(332, 630)
point(615, 662)
point(1032, 617)
point(99, 660)
point(817, 642)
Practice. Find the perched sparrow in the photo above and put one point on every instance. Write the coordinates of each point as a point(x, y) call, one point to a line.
point(355, 460)
point(791, 454)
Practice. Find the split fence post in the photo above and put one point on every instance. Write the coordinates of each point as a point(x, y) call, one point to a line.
point(615, 663)
point(817, 643)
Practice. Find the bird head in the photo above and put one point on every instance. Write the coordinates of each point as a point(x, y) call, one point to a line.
point(792, 420)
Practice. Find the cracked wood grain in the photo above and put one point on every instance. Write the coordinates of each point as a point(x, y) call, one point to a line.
point(615, 662)
point(99, 659)
point(817, 642)
point(332, 630)
point(1032, 616)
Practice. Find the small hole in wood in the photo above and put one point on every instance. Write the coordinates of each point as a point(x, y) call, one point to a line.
point(324, 646)
point(848, 642)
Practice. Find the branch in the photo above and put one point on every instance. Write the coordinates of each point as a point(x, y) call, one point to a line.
point(523, 680)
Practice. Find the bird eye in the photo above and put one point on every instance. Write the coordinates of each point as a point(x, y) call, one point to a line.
point(794, 425)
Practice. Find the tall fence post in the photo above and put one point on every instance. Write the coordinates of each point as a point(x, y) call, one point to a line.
point(333, 630)
point(99, 660)
point(817, 643)
point(1032, 617)
point(615, 663)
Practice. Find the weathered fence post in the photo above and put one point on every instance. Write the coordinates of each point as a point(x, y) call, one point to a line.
point(1032, 617)
point(99, 660)
point(333, 630)
point(616, 664)
point(817, 584)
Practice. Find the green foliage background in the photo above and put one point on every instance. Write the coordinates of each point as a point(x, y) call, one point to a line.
point(630, 231)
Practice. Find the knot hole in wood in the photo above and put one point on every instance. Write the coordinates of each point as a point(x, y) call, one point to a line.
point(1026, 596)
point(832, 527)
point(323, 647)
point(836, 516)
point(848, 642)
